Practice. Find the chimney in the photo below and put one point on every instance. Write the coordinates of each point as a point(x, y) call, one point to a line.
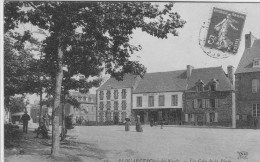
point(249, 40)
point(189, 70)
point(230, 71)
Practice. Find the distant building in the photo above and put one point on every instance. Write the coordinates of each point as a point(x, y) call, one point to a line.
point(87, 110)
point(34, 111)
point(248, 84)
point(210, 97)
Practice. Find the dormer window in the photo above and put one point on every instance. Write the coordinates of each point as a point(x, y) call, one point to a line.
point(200, 86)
point(256, 62)
point(213, 84)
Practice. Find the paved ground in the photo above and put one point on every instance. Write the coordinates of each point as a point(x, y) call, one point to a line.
point(170, 144)
point(112, 143)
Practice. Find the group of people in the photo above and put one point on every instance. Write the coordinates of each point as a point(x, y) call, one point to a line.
point(43, 125)
point(138, 126)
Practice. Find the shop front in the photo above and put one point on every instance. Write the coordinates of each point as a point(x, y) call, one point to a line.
point(169, 116)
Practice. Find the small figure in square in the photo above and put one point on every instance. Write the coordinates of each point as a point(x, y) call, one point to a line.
point(127, 124)
point(43, 131)
point(25, 118)
point(161, 122)
point(138, 125)
point(151, 122)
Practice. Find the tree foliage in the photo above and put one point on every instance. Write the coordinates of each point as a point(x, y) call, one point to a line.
point(17, 104)
point(18, 76)
point(89, 37)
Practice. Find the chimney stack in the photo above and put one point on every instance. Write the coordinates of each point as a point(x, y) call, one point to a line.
point(230, 71)
point(189, 70)
point(249, 40)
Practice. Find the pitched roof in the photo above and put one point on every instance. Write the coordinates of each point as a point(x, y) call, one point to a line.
point(206, 74)
point(162, 82)
point(246, 63)
point(128, 81)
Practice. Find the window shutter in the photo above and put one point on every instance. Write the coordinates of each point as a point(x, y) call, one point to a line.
point(207, 103)
point(216, 117)
point(195, 102)
point(216, 103)
point(207, 117)
point(186, 117)
point(203, 103)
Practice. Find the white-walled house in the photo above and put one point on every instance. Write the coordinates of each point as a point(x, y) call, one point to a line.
point(159, 96)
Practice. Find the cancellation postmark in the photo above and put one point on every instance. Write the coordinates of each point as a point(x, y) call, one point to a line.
point(220, 37)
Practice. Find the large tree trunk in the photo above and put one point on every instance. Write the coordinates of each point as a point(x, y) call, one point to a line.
point(39, 79)
point(40, 114)
point(63, 133)
point(56, 108)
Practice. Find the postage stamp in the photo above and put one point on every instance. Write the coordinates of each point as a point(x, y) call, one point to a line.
point(224, 31)
point(220, 36)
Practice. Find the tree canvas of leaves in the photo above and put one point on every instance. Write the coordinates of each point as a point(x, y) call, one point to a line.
point(102, 43)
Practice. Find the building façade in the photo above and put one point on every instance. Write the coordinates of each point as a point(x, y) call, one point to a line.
point(248, 85)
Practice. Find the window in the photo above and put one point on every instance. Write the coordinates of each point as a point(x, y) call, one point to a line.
point(101, 106)
point(139, 101)
point(123, 93)
point(108, 95)
point(101, 95)
point(213, 87)
point(211, 117)
point(212, 103)
point(256, 62)
point(255, 85)
point(200, 88)
point(191, 117)
point(174, 100)
point(256, 109)
point(161, 100)
point(199, 103)
point(124, 105)
point(115, 105)
point(108, 105)
point(115, 94)
point(151, 101)
point(92, 108)
point(84, 98)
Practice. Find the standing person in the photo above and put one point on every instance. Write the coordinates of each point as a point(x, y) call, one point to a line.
point(138, 125)
point(151, 122)
point(161, 123)
point(127, 124)
point(46, 120)
point(25, 118)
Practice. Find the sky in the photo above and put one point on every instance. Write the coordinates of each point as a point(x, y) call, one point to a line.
point(175, 53)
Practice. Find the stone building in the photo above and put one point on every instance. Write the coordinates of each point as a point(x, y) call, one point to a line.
point(114, 99)
point(210, 98)
point(247, 84)
point(159, 96)
point(191, 96)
